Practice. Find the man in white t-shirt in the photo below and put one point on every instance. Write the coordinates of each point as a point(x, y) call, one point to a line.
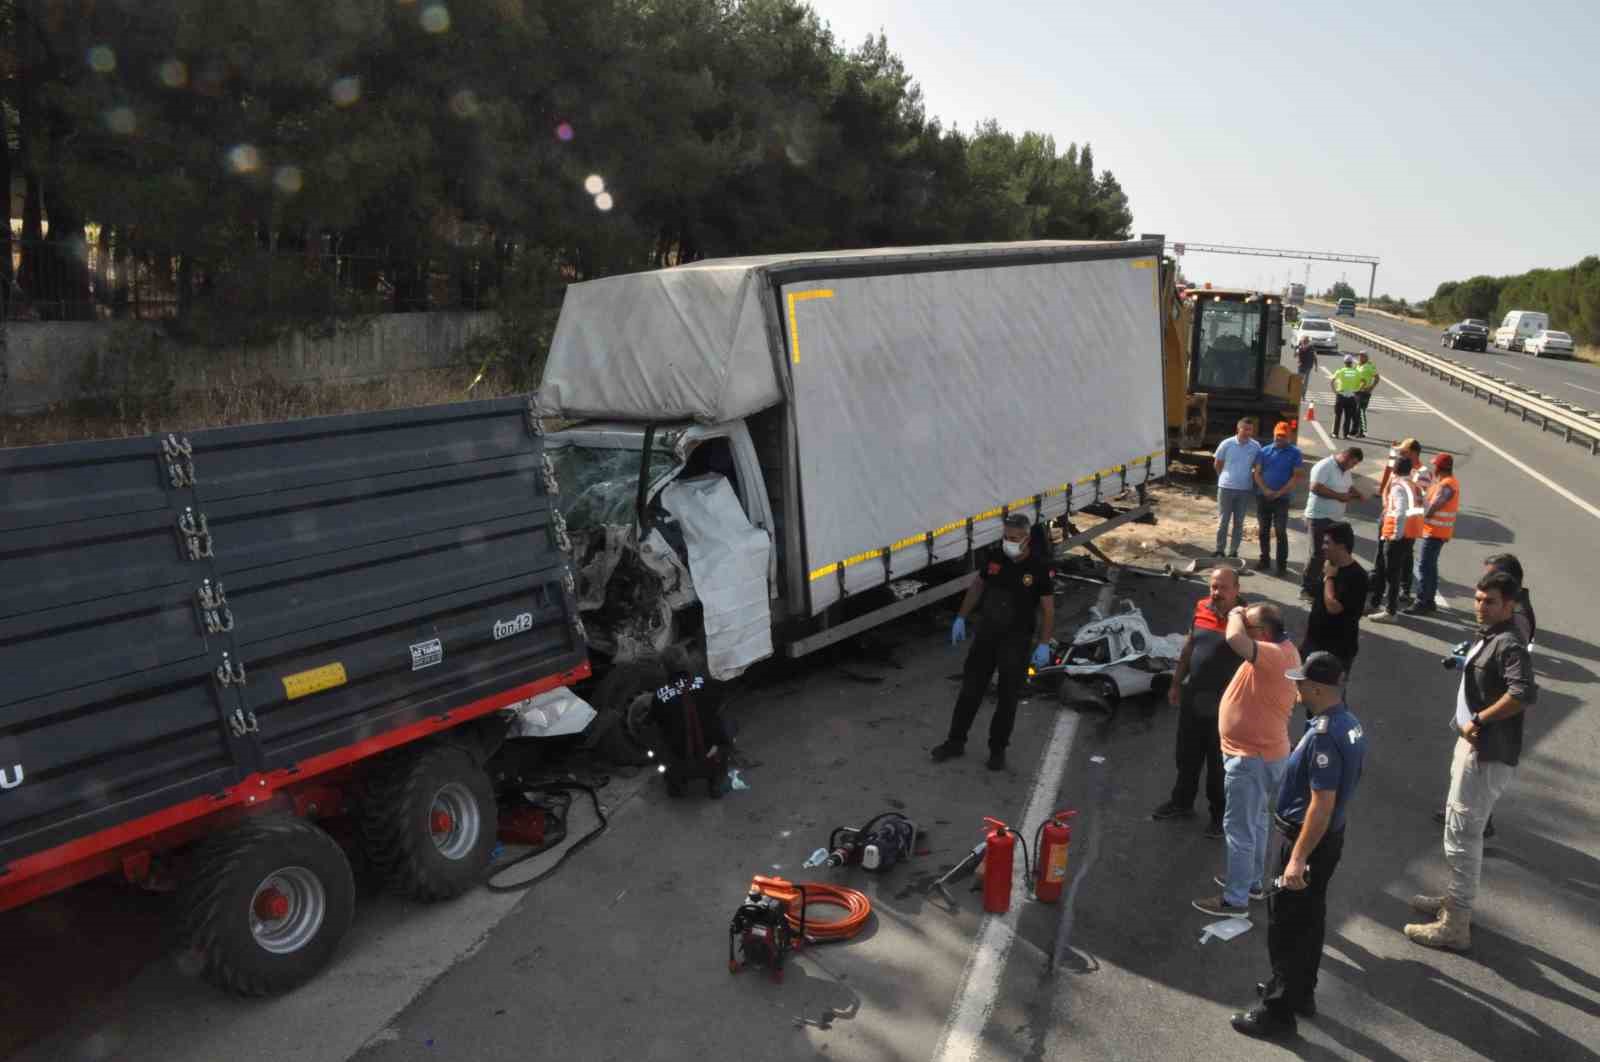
point(1330, 492)
point(1235, 460)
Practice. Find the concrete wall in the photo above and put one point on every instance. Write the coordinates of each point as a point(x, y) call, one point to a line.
point(48, 363)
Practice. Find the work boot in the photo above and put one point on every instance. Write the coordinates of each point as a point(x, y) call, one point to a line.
point(1283, 567)
point(1169, 810)
point(948, 751)
point(1306, 1008)
point(1452, 932)
point(1265, 1024)
point(1424, 904)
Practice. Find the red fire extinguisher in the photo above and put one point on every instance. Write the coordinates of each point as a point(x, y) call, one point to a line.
point(999, 857)
point(1050, 843)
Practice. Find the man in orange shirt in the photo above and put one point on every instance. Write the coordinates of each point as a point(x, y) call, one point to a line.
point(1253, 723)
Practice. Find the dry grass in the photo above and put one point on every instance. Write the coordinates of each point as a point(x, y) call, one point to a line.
point(241, 402)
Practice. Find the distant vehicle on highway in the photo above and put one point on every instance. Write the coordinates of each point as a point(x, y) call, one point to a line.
point(1466, 335)
point(1549, 343)
point(1320, 331)
point(1518, 327)
point(1347, 307)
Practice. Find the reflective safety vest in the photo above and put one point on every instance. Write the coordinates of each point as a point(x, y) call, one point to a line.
point(1442, 524)
point(1410, 521)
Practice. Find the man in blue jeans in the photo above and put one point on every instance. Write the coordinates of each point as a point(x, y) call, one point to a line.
point(1235, 459)
point(1253, 724)
point(1277, 468)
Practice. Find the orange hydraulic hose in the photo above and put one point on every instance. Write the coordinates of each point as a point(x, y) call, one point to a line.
point(857, 907)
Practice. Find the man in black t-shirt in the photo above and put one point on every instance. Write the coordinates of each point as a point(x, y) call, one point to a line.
point(1205, 667)
point(1013, 595)
point(1334, 625)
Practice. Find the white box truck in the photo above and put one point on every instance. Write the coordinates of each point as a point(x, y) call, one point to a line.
point(1518, 327)
point(771, 454)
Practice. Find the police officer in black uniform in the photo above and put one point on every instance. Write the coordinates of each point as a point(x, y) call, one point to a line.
point(1321, 778)
point(1013, 594)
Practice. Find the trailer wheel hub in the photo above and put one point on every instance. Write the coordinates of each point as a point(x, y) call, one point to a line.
point(287, 910)
point(455, 821)
point(272, 905)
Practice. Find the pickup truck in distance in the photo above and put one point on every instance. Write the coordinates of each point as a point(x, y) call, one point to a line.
point(1466, 335)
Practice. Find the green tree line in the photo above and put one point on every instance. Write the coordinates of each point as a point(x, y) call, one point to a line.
point(1570, 296)
point(265, 163)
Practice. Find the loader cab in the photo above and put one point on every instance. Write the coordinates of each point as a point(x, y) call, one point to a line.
point(1234, 333)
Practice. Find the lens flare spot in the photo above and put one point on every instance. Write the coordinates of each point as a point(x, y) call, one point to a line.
point(288, 179)
point(564, 132)
point(603, 201)
point(464, 104)
point(594, 184)
point(102, 60)
point(435, 18)
point(345, 91)
point(121, 120)
point(244, 159)
point(174, 73)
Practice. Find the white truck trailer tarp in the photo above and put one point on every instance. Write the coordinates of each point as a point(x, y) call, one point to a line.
point(930, 386)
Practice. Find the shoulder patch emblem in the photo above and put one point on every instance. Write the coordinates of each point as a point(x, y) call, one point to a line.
point(994, 567)
point(1027, 579)
point(1322, 759)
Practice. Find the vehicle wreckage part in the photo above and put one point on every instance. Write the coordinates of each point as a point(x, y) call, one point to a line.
point(428, 823)
point(267, 905)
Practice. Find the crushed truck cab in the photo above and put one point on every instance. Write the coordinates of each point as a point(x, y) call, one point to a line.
point(810, 444)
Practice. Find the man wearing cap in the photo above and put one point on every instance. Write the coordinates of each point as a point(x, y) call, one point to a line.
point(1276, 470)
point(1309, 821)
point(1401, 527)
point(1438, 527)
point(1367, 372)
point(1410, 449)
point(1346, 410)
point(1013, 595)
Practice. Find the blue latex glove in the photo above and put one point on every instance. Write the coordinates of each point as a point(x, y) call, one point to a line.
point(958, 631)
point(1041, 656)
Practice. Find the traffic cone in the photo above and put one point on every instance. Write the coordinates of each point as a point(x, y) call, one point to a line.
point(1311, 412)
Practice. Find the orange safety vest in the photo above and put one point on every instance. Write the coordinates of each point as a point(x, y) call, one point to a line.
point(1442, 524)
point(1410, 521)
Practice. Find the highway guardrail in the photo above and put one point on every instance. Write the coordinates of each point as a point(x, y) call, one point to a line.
point(1577, 424)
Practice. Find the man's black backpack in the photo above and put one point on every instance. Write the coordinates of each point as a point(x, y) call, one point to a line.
point(693, 741)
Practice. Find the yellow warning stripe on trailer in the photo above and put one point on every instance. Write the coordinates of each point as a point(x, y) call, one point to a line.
point(988, 514)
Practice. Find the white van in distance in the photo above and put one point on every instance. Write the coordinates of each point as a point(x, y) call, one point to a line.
point(1518, 326)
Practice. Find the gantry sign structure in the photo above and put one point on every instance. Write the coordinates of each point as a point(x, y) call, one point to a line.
point(1182, 247)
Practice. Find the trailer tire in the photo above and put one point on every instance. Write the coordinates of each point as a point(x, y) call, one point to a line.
point(429, 821)
point(275, 860)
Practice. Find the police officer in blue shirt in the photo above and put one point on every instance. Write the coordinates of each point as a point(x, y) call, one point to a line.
point(1321, 778)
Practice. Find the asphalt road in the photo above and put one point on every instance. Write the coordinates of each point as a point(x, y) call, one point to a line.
point(1572, 381)
point(623, 954)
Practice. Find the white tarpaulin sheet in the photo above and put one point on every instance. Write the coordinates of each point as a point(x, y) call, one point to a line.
point(728, 559)
point(925, 399)
point(676, 344)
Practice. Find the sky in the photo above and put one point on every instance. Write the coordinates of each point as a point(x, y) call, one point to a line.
point(1442, 138)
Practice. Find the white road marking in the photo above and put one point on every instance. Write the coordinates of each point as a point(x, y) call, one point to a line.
point(1525, 469)
point(980, 982)
point(1580, 387)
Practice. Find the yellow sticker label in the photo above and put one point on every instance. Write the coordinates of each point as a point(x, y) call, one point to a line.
point(1144, 263)
point(305, 683)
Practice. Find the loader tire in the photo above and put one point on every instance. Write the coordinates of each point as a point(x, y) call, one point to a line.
point(428, 822)
point(266, 905)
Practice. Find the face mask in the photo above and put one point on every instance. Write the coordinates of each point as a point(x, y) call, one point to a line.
point(1013, 549)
